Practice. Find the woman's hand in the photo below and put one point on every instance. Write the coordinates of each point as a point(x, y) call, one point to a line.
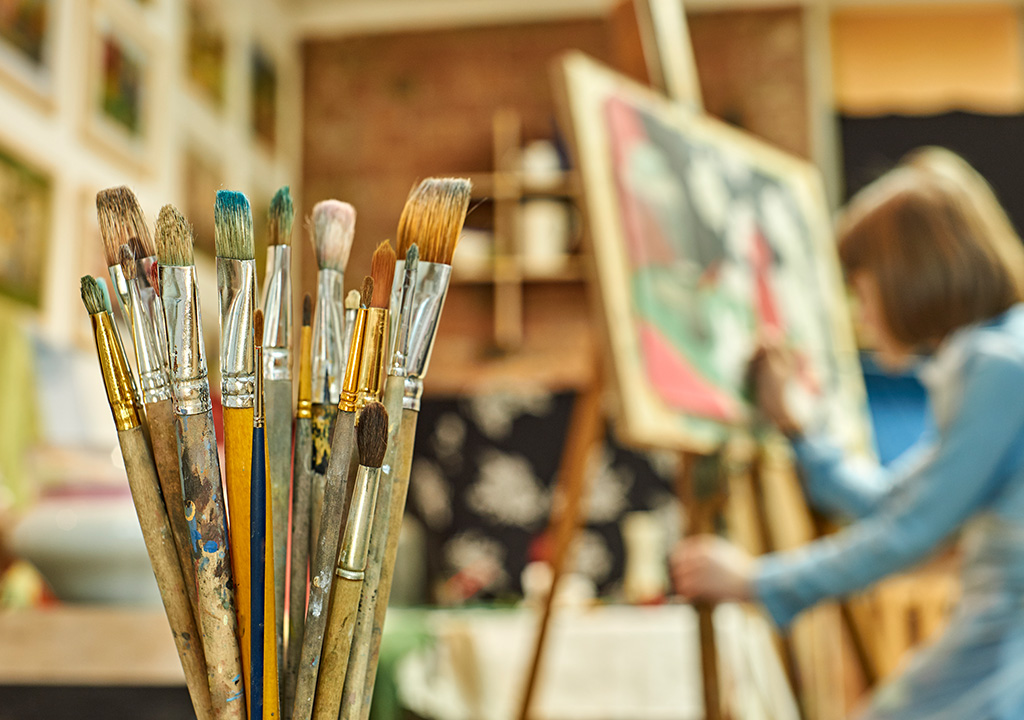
point(770, 368)
point(706, 567)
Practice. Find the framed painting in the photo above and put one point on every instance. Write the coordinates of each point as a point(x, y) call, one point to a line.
point(26, 46)
point(704, 239)
point(263, 79)
point(26, 196)
point(120, 86)
point(206, 50)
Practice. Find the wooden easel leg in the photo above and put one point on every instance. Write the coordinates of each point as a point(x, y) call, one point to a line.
point(585, 430)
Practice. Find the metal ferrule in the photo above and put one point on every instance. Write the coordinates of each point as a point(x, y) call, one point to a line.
point(413, 394)
point(328, 331)
point(346, 341)
point(120, 284)
point(424, 311)
point(350, 388)
point(355, 544)
point(372, 360)
point(149, 361)
point(258, 411)
point(400, 339)
point(304, 403)
point(277, 314)
point(152, 307)
point(190, 388)
point(236, 286)
point(117, 376)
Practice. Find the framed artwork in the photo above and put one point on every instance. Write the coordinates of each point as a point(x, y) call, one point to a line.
point(120, 93)
point(263, 76)
point(26, 45)
point(25, 200)
point(704, 239)
point(203, 177)
point(668, 52)
point(205, 51)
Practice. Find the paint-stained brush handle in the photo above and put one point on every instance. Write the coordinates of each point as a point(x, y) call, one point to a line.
point(324, 419)
point(345, 594)
point(297, 585)
point(204, 510)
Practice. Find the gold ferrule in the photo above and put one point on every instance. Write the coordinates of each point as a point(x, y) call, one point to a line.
point(258, 412)
point(372, 362)
point(117, 377)
point(350, 388)
point(304, 409)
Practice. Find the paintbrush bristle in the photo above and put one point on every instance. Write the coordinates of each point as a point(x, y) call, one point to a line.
point(307, 309)
point(173, 238)
point(333, 228)
point(257, 326)
point(412, 255)
point(93, 296)
point(352, 300)
point(433, 217)
point(367, 292)
point(122, 222)
point(127, 260)
point(232, 226)
point(281, 217)
point(382, 269)
point(372, 434)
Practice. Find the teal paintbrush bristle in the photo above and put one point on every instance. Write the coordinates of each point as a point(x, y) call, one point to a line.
point(232, 218)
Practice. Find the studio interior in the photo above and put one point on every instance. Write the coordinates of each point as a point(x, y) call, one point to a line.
point(511, 359)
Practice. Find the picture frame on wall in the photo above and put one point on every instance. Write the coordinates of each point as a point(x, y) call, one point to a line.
point(703, 239)
point(206, 50)
point(27, 47)
point(263, 78)
point(26, 198)
point(119, 99)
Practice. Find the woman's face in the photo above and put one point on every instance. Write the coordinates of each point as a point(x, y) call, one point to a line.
point(890, 353)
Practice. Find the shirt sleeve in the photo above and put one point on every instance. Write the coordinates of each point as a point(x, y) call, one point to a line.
point(930, 503)
point(834, 483)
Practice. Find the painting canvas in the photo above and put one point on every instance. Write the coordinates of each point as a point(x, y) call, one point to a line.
point(25, 197)
point(705, 239)
point(264, 96)
point(25, 45)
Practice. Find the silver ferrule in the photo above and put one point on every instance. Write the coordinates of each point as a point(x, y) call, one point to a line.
point(152, 376)
point(120, 283)
point(346, 340)
point(355, 545)
point(424, 312)
point(412, 393)
point(400, 342)
point(277, 314)
point(236, 291)
point(190, 388)
point(328, 332)
point(152, 306)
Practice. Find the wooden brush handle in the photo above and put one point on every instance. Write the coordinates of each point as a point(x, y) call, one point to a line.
point(324, 563)
point(237, 481)
point(399, 491)
point(359, 657)
point(278, 398)
point(341, 622)
point(163, 556)
point(297, 585)
point(324, 419)
point(204, 510)
point(165, 452)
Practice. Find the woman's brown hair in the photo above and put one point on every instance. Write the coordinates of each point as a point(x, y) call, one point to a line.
point(934, 236)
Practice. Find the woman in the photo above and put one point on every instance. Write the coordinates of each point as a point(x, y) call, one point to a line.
point(938, 274)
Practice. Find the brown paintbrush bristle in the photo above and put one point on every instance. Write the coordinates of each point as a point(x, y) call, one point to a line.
point(352, 300)
point(367, 292)
point(281, 217)
point(173, 238)
point(128, 265)
point(257, 325)
point(307, 309)
point(332, 229)
point(382, 269)
point(433, 217)
point(122, 222)
point(372, 435)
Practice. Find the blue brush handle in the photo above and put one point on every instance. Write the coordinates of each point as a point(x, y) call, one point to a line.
point(258, 560)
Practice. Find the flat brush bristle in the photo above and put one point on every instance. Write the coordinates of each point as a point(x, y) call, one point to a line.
point(93, 296)
point(372, 434)
point(307, 309)
point(122, 222)
point(433, 217)
point(333, 228)
point(257, 326)
point(173, 238)
point(382, 269)
point(352, 300)
point(232, 218)
point(281, 217)
point(367, 291)
point(127, 259)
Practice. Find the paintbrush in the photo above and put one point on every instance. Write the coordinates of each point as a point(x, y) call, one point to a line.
point(277, 313)
point(351, 306)
point(371, 442)
point(300, 509)
point(324, 560)
point(199, 463)
point(258, 535)
point(122, 222)
point(142, 480)
point(432, 219)
point(332, 229)
point(236, 286)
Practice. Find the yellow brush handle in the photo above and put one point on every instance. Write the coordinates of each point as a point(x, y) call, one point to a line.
point(341, 622)
point(238, 478)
